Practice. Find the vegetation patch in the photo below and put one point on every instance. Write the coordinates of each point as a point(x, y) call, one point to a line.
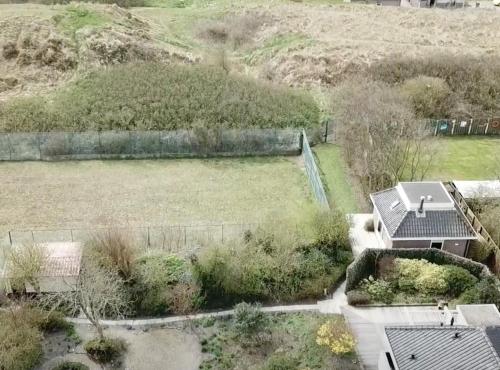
point(287, 341)
point(161, 97)
point(276, 265)
point(401, 280)
point(105, 350)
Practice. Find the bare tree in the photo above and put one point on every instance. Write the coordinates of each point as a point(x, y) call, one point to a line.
point(25, 264)
point(99, 293)
point(382, 141)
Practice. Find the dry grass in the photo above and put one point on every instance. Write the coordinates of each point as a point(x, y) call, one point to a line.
point(137, 193)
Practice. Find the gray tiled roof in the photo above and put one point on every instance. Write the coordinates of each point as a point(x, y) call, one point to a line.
point(437, 348)
point(493, 333)
point(403, 223)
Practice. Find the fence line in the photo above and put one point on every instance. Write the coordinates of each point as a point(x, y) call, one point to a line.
point(313, 173)
point(171, 238)
point(49, 146)
point(474, 221)
point(485, 126)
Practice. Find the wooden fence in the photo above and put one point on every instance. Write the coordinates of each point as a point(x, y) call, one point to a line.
point(476, 224)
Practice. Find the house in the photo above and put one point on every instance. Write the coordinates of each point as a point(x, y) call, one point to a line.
point(421, 215)
point(59, 271)
point(438, 347)
point(426, 337)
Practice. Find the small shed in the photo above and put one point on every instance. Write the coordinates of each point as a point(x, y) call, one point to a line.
point(60, 270)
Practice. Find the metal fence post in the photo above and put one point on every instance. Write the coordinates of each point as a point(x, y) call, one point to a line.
point(487, 126)
point(10, 238)
point(222, 232)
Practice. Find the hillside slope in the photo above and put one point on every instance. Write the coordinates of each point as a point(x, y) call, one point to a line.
point(298, 44)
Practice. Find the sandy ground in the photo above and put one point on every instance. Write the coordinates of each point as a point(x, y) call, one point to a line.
point(91, 194)
point(152, 349)
point(298, 43)
point(351, 34)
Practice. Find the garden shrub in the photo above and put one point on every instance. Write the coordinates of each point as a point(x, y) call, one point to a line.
point(70, 365)
point(269, 266)
point(105, 350)
point(281, 361)
point(114, 250)
point(358, 297)
point(249, 321)
point(153, 276)
point(184, 298)
point(20, 342)
point(331, 231)
point(458, 279)
point(475, 81)
point(336, 336)
point(378, 290)
point(430, 96)
point(487, 291)
point(152, 96)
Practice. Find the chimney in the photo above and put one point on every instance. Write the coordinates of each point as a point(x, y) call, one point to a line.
point(421, 207)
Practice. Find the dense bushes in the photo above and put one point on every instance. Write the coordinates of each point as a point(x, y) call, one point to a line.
point(487, 291)
point(20, 344)
point(409, 279)
point(69, 365)
point(368, 262)
point(104, 350)
point(160, 97)
point(459, 85)
point(274, 265)
point(162, 283)
point(249, 321)
point(21, 335)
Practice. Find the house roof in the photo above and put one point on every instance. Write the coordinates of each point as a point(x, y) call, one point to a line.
point(493, 333)
point(404, 222)
point(481, 315)
point(418, 348)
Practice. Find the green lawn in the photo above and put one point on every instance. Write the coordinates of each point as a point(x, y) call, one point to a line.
point(466, 158)
point(334, 173)
point(56, 195)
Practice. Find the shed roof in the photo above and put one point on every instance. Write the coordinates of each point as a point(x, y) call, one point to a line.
point(62, 259)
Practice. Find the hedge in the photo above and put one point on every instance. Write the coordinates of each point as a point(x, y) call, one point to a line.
point(366, 263)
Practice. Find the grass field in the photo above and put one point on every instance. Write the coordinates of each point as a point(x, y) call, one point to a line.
point(158, 192)
point(335, 176)
point(457, 158)
point(466, 158)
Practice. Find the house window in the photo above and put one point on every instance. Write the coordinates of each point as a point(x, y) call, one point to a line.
point(437, 244)
point(379, 226)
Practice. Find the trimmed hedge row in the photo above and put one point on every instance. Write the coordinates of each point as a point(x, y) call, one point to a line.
point(366, 263)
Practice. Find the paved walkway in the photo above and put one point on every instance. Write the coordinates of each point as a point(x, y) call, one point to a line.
point(176, 319)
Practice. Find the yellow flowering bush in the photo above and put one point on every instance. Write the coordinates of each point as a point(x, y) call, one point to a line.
point(336, 336)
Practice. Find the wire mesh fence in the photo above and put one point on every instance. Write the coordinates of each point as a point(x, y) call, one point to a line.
point(169, 238)
point(148, 144)
point(313, 173)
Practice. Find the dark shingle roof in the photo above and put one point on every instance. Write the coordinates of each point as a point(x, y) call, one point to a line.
point(437, 348)
point(403, 223)
point(493, 333)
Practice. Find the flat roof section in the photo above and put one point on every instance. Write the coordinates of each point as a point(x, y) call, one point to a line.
point(415, 190)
